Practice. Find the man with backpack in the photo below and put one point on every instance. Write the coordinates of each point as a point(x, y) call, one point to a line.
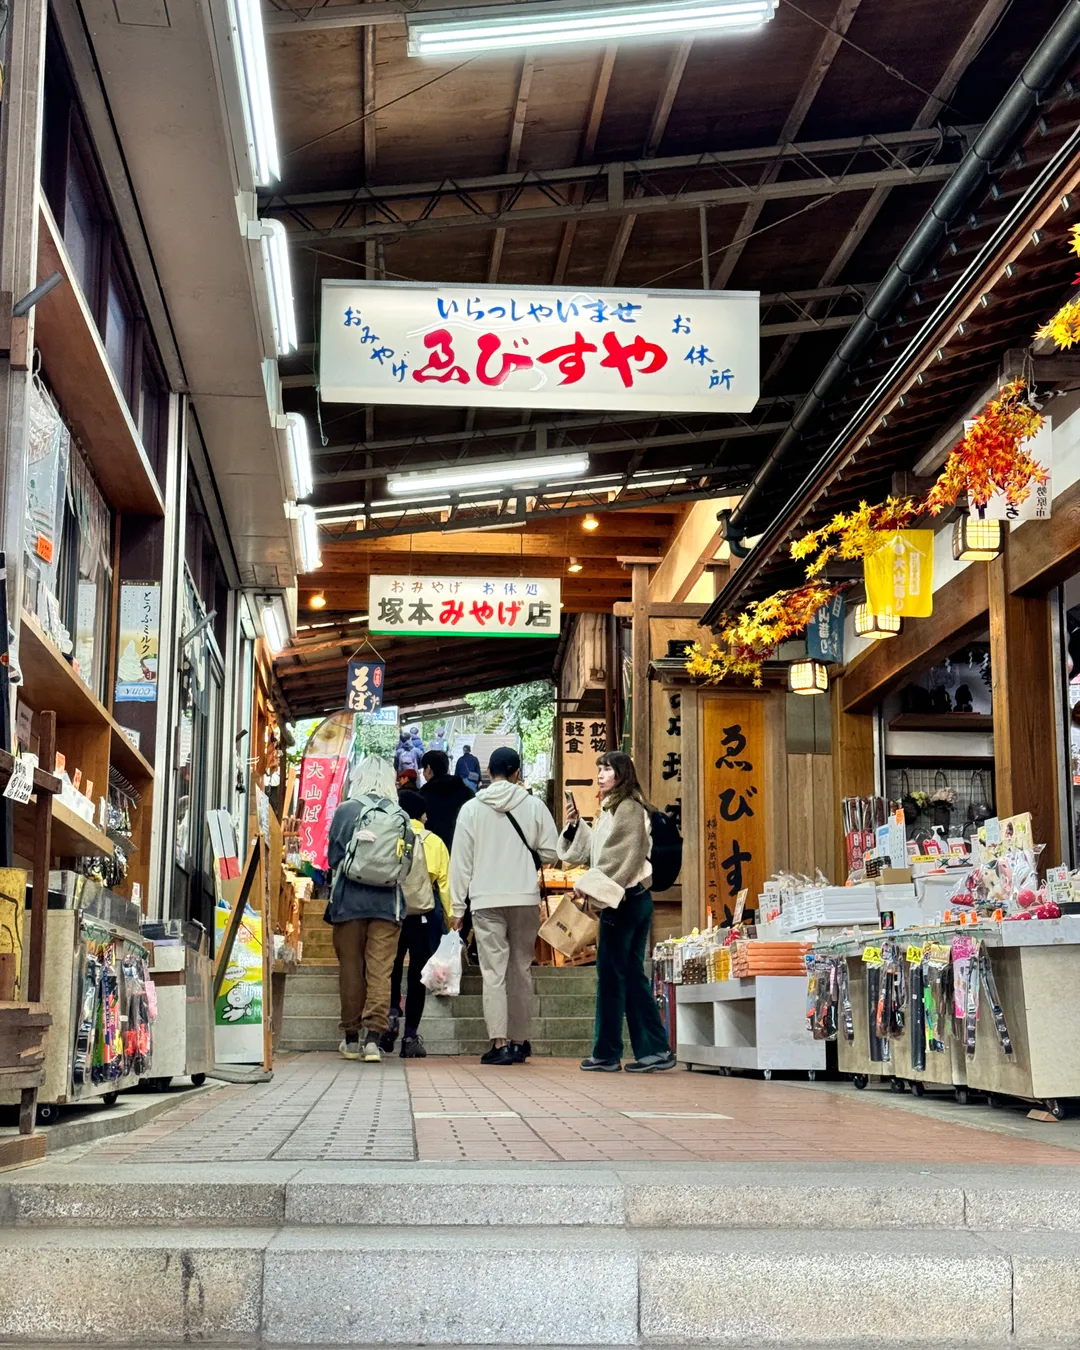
point(503, 837)
point(371, 851)
point(406, 755)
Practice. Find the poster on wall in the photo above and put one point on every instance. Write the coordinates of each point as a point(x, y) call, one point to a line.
point(418, 343)
point(465, 606)
point(364, 686)
point(735, 806)
point(137, 665)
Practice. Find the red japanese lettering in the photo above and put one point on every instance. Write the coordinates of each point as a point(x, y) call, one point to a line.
point(453, 611)
point(440, 366)
point(481, 611)
point(489, 344)
point(619, 356)
point(571, 358)
point(509, 612)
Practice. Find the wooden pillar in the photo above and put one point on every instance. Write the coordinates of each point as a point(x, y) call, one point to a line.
point(639, 730)
point(1025, 740)
point(853, 766)
point(693, 892)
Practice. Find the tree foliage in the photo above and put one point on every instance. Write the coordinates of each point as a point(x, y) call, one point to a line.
point(527, 709)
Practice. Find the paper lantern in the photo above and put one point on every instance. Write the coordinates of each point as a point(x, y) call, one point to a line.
point(976, 540)
point(869, 624)
point(808, 677)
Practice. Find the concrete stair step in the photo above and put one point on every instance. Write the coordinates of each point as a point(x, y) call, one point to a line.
point(527, 1284)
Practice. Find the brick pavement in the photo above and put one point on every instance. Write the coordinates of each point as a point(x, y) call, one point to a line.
point(321, 1108)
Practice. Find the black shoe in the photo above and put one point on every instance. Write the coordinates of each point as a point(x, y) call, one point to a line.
point(653, 1063)
point(388, 1039)
point(503, 1055)
point(593, 1065)
point(412, 1047)
point(522, 1050)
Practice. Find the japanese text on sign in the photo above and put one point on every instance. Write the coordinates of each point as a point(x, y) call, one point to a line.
point(137, 664)
point(465, 606)
point(364, 686)
point(735, 811)
point(539, 347)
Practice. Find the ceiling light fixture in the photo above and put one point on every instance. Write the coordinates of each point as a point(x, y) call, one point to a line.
point(272, 613)
point(318, 601)
point(574, 565)
point(524, 472)
point(274, 242)
point(502, 27)
point(299, 456)
point(310, 556)
point(258, 102)
point(590, 523)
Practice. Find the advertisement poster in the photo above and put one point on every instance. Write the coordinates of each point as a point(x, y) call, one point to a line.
point(239, 1006)
point(735, 806)
point(465, 606)
point(419, 343)
point(137, 667)
point(323, 780)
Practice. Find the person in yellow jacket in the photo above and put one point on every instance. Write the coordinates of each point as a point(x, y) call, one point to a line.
point(420, 935)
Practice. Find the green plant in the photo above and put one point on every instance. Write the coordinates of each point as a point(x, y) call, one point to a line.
point(527, 709)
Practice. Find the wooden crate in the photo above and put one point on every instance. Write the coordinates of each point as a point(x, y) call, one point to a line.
point(23, 1030)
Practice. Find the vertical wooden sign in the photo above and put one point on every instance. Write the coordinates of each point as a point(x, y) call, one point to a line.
point(735, 807)
point(665, 787)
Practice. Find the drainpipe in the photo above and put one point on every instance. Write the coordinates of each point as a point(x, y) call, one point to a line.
point(1036, 79)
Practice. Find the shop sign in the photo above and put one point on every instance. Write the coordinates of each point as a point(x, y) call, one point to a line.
point(364, 686)
point(384, 716)
point(1038, 503)
point(735, 810)
point(584, 739)
point(516, 347)
point(464, 606)
point(137, 666)
point(900, 575)
point(825, 632)
point(666, 786)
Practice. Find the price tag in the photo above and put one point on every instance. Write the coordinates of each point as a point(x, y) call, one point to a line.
point(21, 783)
point(44, 548)
point(872, 956)
point(740, 906)
point(914, 955)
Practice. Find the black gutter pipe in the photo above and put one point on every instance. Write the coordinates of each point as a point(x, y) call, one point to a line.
point(1034, 81)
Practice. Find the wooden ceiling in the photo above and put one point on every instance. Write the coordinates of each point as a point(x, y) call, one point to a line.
point(359, 122)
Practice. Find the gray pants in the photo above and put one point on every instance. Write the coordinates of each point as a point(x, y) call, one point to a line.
point(506, 944)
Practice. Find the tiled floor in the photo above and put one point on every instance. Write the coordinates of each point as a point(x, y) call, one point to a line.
point(321, 1108)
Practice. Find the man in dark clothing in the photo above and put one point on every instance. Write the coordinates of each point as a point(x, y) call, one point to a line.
point(443, 795)
point(468, 769)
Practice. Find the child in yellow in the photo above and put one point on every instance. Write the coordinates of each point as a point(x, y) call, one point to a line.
point(420, 934)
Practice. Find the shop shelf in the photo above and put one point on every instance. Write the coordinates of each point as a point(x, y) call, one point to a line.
point(50, 681)
point(131, 762)
point(972, 721)
point(78, 370)
point(72, 837)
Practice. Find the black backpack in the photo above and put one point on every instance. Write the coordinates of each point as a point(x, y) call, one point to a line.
point(666, 853)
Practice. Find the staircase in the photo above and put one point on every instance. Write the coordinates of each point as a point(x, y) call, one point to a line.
point(516, 1254)
point(564, 1000)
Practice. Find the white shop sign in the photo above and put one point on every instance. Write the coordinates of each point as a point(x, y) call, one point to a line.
point(539, 347)
point(464, 606)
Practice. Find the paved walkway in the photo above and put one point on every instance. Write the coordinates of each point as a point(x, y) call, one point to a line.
point(321, 1108)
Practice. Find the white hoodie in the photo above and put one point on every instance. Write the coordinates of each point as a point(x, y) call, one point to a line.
point(488, 863)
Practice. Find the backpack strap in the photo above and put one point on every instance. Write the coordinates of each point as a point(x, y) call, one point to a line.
point(537, 861)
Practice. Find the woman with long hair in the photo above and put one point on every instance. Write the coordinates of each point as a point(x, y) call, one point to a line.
point(616, 849)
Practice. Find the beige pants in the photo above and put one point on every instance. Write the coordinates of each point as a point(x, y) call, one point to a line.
point(506, 945)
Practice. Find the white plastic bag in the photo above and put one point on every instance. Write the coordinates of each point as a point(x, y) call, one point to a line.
point(442, 974)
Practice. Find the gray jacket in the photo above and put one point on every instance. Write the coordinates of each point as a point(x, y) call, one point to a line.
point(350, 899)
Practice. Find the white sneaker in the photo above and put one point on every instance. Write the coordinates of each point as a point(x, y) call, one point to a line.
point(350, 1048)
point(372, 1051)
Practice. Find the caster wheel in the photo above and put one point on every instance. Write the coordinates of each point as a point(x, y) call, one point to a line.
point(689, 1069)
point(859, 1081)
point(897, 1085)
point(768, 1075)
point(917, 1089)
point(110, 1098)
point(198, 1079)
point(962, 1096)
point(48, 1113)
point(811, 1074)
point(725, 1073)
point(994, 1102)
point(1056, 1108)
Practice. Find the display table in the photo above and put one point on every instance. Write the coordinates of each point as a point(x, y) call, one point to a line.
point(757, 1024)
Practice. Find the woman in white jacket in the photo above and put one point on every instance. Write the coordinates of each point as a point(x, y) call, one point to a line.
point(617, 884)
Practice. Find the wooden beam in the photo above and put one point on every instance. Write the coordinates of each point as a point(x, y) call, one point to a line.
point(639, 727)
point(660, 609)
point(1025, 749)
point(588, 149)
point(517, 128)
point(1044, 553)
point(961, 610)
point(852, 764)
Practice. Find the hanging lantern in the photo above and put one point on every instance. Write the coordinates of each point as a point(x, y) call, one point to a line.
point(869, 624)
point(976, 540)
point(808, 677)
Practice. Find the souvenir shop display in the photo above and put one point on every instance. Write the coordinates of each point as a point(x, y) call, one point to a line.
point(182, 974)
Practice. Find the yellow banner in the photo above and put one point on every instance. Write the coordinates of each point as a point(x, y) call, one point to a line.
point(735, 815)
point(900, 575)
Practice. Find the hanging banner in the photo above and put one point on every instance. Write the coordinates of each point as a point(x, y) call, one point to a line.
point(465, 606)
point(825, 632)
point(364, 686)
point(1037, 504)
point(539, 347)
point(323, 774)
point(137, 667)
point(733, 777)
point(900, 575)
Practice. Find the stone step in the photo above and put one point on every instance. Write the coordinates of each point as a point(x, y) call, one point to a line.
point(535, 1285)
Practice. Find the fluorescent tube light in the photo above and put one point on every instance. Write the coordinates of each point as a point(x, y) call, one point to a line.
point(299, 456)
point(274, 240)
point(258, 102)
point(502, 27)
point(273, 625)
point(525, 471)
point(310, 557)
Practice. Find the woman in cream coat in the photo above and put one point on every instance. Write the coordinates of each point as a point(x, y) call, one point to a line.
point(616, 886)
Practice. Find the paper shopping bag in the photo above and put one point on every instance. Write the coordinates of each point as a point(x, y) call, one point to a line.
point(568, 929)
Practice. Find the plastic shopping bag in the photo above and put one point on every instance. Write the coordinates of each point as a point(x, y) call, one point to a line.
point(442, 974)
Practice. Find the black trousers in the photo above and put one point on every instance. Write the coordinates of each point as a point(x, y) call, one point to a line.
point(420, 934)
point(622, 988)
